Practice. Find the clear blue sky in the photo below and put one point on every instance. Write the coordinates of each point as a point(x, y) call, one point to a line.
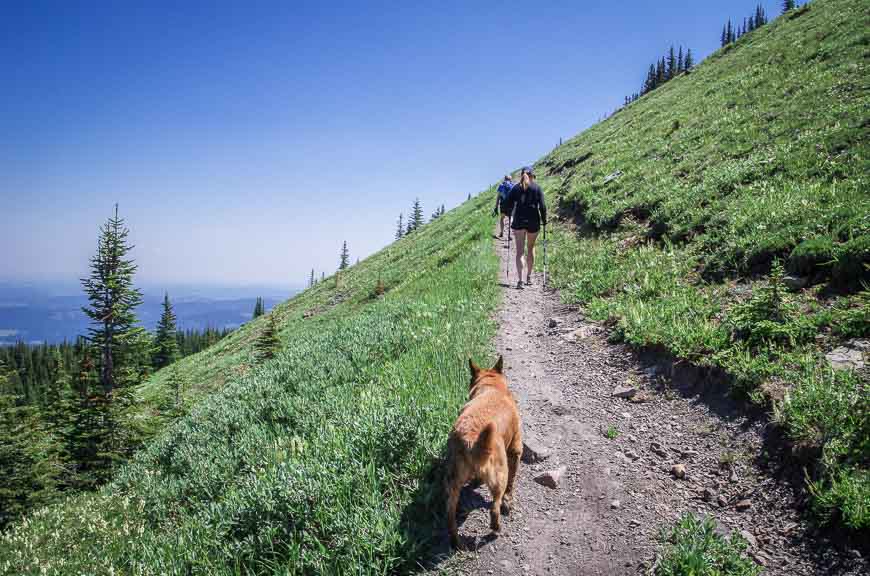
point(245, 140)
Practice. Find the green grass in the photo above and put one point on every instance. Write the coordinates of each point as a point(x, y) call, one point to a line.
point(757, 157)
point(694, 548)
point(321, 461)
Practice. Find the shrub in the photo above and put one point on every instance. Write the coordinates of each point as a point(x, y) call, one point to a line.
point(811, 256)
point(851, 261)
point(695, 548)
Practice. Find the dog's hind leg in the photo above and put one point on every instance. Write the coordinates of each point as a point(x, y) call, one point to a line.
point(497, 482)
point(513, 459)
point(456, 479)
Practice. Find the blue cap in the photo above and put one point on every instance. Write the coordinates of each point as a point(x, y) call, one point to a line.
point(528, 170)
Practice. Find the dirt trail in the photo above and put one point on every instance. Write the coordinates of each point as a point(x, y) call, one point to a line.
point(618, 490)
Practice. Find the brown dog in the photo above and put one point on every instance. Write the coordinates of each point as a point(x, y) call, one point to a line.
point(485, 444)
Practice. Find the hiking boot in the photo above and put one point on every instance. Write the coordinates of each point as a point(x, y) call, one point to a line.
point(519, 284)
point(529, 281)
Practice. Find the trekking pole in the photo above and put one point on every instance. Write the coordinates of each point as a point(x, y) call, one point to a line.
point(545, 255)
point(508, 260)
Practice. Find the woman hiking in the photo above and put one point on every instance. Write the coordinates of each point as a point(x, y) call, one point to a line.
point(526, 204)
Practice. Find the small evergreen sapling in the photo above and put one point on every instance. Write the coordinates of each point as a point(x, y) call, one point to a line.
point(268, 343)
point(259, 309)
point(165, 341)
point(400, 227)
point(344, 257)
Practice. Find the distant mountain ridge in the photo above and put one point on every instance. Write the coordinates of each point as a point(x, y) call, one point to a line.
point(43, 313)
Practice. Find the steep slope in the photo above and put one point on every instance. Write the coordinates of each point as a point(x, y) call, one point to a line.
point(319, 461)
point(684, 202)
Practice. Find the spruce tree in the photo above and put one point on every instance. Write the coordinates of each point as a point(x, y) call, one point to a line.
point(165, 341)
point(730, 33)
point(788, 5)
point(680, 62)
point(400, 227)
point(650, 83)
point(724, 39)
point(176, 385)
point(268, 343)
point(442, 210)
point(671, 64)
point(344, 257)
point(112, 298)
point(29, 468)
point(259, 309)
point(690, 60)
point(415, 220)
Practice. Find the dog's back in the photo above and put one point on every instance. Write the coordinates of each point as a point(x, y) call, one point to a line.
point(485, 443)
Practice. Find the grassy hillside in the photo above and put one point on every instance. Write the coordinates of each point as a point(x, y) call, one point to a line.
point(319, 461)
point(755, 161)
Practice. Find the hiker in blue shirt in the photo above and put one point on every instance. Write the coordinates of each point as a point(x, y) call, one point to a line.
point(504, 191)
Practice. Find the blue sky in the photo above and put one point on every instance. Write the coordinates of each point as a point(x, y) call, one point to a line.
point(245, 140)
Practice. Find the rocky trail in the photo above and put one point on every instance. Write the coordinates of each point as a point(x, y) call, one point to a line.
point(630, 444)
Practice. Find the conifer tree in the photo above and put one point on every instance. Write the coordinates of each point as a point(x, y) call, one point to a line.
point(415, 220)
point(680, 63)
point(650, 83)
point(112, 298)
point(165, 341)
point(28, 465)
point(400, 227)
point(311, 279)
point(442, 210)
point(730, 33)
point(344, 257)
point(788, 5)
point(660, 72)
point(268, 343)
point(724, 39)
point(259, 309)
point(690, 60)
point(760, 16)
point(58, 409)
point(671, 65)
point(176, 385)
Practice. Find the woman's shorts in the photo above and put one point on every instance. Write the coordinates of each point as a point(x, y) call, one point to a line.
point(530, 227)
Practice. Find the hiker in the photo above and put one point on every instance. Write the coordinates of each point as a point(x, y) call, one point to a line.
point(526, 204)
point(504, 190)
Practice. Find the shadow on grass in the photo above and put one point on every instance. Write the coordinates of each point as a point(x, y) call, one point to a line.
point(424, 520)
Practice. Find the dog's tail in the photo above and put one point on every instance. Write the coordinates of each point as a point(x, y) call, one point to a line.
point(487, 440)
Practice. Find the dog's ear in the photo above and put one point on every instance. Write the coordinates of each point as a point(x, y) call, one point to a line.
point(499, 365)
point(474, 368)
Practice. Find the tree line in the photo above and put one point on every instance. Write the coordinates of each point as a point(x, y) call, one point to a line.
point(663, 70)
point(732, 31)
point(67, 413)
point(674, 63)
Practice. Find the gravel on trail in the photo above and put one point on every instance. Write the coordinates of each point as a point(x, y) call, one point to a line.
point(618, 446)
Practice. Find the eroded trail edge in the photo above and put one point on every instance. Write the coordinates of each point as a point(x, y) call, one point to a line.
point(619, 487)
